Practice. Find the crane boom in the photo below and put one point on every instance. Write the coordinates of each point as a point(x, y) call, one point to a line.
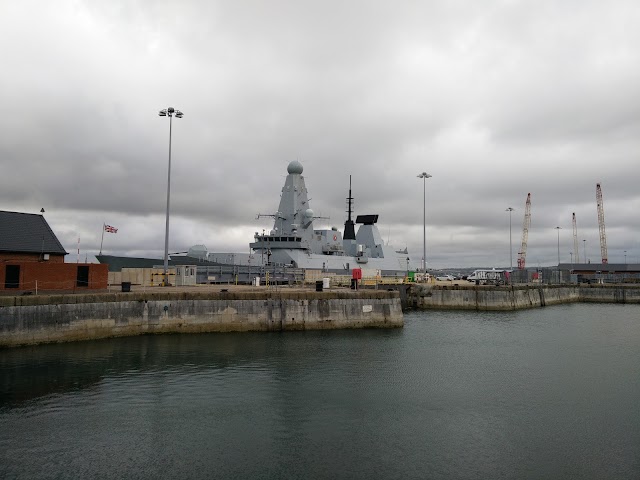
point(522, 254)
point(603, 236)
point(576, 251)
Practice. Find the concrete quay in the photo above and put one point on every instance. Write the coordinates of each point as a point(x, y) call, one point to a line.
point(513, 297)
point(35, 319)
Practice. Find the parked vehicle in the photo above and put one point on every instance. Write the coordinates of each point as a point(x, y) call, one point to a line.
point(488, 277)
point(445, 278)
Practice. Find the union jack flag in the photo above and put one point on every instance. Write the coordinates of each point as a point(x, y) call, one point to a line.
point(110, 229)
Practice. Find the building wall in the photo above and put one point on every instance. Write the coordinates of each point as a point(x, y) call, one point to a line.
point(54, 276)
point(29, 257)
point(146, 277)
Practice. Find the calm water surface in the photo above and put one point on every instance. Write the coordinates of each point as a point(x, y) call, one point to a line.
point(544, 393)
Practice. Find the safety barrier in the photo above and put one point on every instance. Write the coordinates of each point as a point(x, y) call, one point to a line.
point(35, 286)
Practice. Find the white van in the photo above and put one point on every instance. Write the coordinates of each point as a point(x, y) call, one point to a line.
point(488, 277)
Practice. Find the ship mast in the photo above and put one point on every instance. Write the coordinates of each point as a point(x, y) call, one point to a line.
point(349, 228)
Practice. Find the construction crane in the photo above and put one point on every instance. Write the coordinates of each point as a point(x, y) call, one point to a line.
point(603, 236)
point(576, 252)
point(522, 254)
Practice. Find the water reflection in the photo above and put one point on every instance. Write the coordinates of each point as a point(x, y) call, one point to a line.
point(452, 395)
point(31, 372)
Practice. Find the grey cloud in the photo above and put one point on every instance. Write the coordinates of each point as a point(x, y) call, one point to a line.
point(495, 100)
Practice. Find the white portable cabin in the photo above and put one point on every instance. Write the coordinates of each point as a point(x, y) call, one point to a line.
point(185, 275)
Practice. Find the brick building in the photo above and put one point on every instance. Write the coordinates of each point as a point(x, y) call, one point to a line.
point(32, 258)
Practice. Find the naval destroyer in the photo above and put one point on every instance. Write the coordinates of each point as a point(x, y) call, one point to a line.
point(295, 242)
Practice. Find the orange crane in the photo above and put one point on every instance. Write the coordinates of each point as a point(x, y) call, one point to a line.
point(576, 252)
point(603, 236)
point(522, 254)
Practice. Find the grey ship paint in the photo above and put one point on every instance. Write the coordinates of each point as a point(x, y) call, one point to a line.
point(294, 242)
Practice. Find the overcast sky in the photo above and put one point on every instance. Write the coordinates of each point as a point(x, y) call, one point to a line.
point(495, 99)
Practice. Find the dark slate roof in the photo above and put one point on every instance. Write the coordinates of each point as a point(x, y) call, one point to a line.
point(27, 233)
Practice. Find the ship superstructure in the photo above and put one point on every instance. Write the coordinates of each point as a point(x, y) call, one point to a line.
point(293, 240)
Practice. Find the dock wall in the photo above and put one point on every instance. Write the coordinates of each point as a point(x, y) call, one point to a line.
point(42, 319)
point(28, 320)
point(517, 297)
point(610, 294)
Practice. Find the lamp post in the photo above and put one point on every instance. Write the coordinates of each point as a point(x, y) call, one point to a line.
point(424, 176)
point(510, 209)
point(584, 245)
point(168, 112)
point(558, 269)
point(571, 253)
point(625, 257)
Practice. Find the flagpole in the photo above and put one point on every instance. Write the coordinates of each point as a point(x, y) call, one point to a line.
point(101, 240)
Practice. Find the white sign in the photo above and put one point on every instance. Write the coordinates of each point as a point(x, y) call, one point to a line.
point(367, 308)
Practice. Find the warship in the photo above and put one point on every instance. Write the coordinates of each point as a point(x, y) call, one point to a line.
point(293, 243)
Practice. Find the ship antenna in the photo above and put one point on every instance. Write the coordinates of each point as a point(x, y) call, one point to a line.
point(349, 199)
point(349, 229)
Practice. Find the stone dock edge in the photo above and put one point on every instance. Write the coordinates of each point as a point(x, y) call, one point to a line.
point(36, 319)
point(31, 320)
point(513, 297)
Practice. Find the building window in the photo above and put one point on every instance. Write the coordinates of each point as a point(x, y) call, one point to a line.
point(12, 276)
point(82, 278)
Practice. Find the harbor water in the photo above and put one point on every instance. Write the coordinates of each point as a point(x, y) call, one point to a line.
point(544, 393)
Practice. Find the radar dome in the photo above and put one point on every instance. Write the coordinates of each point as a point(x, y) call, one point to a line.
point(308, 213)
point(295, 167)
point(198, 251)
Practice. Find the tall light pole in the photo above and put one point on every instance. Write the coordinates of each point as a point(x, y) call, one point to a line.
point(625, 257)
point(168, 112)
point(558, 229)
point(510, 209)
point(424, 176)
point(584, 245)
